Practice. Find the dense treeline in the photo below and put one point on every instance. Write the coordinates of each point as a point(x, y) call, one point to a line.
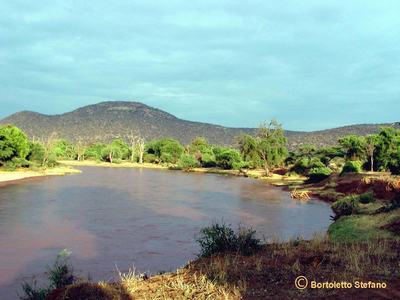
point(266, 150)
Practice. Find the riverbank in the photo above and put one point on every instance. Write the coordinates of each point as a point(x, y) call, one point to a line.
point(8, 177)
point(268, 274)
point(274, 179)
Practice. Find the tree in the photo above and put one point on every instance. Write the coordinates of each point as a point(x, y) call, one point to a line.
point(140, 148)
point(13, 143)
point(201, 150)
point(228, 158)
point(370, 145)
point(271, 145)
point(387, 149)
point(64, 149)
point(137, 145)
point(94, 151)
point(49, 158)
point(167, 150)
point(248, 149)
point(354, 146)
point(80, 149)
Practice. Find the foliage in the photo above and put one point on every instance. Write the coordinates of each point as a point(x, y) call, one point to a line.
point(319, 173)
point(345, 206)
point(249, 150)
point(64, 149)
point(150, 158)
point(188, 161)
point(387, 150)
point(221, 238)
point(271, 145)
point(166, 150)
point(352, 167)
point(366, 198)
point(228, 158)
point(208, 160)
point(59, 275)
point(354, 146)
point(13, 143)
point(36, 153)
point(94, 151)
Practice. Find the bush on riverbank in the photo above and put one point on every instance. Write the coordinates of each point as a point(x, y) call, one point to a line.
point(221, 238)
point(60, 275)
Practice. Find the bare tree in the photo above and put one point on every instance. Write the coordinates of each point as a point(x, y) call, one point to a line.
point(132, 138)
point(137, 145)
point(370, 145)
point(80, 149)
point(48, 145)
point(140, 148)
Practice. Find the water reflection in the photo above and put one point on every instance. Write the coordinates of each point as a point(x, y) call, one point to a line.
point(124, 217)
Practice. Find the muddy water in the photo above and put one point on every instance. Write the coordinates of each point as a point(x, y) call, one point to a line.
point(119, 218)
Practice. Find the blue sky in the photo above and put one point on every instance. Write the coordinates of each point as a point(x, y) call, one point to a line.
point(310, 64)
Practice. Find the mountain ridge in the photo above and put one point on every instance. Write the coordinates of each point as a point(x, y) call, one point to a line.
point(107, 120)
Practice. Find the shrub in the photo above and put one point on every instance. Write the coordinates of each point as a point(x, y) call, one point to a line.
point(345, 206)
point(20, 162)
point(59, 275)
point(301, 166)
point(366, 198)
point(221, 238)
point(150, 158)
point(208, 160)
point(319, 173)
point(187, 161)
point(227, 158)
point(9, 166)
point(336, 164)
point(36, 153)
point(352, 166)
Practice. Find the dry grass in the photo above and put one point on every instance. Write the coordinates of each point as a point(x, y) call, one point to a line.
point(269, 274)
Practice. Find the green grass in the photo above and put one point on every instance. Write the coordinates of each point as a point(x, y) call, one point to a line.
point(356, 228)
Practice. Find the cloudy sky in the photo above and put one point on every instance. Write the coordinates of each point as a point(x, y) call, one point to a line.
point(310, 64)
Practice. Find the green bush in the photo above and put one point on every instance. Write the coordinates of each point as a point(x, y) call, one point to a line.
point(59, 275)
point(227, 158)
point(336, 164)
point(240, 165)
point(150, 158)
point(345, 206)
point(9, 166)
point(301, 166)
point(366, 198)
point(36, 153)
point(221, 238)
point(319, 173)
point(20, 162)
point(208, 160)
point(352, 166)
point(188, 161)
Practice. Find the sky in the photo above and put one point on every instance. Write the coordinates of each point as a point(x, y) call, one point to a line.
point(309, 64)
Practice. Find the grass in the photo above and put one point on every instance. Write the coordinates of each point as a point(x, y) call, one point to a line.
point(362, 227)
point(268, 272)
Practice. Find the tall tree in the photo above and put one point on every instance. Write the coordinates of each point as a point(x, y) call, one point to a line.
point(271, 145)
point(354, 146)
point(370, 145)
point(13, 143)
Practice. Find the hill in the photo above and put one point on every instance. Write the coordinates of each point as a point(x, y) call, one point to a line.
point(108, 120)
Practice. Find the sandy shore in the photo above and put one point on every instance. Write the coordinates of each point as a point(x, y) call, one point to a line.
point(92, 163)
point(274, 179)
point(8, 177)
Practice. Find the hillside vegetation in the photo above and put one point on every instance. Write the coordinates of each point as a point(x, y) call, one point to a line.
point(106, 121)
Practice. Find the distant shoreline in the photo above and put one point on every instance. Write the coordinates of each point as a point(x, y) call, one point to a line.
point(274, 179)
